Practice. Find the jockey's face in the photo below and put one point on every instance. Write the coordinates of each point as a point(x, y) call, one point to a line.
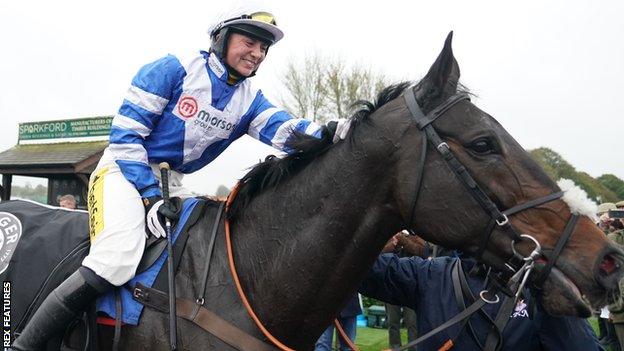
point(245, 54)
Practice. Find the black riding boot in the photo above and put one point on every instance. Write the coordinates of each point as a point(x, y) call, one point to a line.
point(60, 308)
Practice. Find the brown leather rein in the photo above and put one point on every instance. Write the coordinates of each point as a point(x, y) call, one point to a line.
point(242, 295)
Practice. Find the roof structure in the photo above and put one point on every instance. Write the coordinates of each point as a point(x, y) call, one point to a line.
point(37, 159)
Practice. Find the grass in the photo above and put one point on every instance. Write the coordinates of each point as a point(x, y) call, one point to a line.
point(372, 339)
point(369, 339)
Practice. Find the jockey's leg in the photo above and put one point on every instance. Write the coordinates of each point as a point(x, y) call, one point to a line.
point(60, 308)
point(117, 233)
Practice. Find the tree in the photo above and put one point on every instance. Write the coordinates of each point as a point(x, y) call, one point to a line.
point(321, 89)
point(557, 167)
point(612, 183)
point(306, 85)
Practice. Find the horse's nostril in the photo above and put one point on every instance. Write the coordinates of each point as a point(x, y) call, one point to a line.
point(609, 264)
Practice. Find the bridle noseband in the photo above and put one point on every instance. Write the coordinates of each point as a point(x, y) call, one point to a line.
point(518, 267)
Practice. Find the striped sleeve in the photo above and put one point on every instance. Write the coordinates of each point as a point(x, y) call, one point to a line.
point(149, 93)
point(274, 126)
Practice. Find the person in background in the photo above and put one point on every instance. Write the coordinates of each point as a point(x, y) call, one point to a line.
point(67, 201)
point(616, 317)
point(607, 331)
point(348, 322)
point(603, 215)
point(426, 285)
point(402, 245)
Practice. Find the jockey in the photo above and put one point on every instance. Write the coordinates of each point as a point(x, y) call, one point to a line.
point(181, 110)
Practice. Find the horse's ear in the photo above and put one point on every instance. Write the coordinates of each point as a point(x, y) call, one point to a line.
point(443, 76)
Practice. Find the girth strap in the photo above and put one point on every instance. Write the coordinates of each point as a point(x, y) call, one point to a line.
point(219, 327)
point(203, 318)
point(213, 237)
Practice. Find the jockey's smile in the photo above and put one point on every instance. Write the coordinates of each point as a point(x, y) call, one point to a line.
point(245, 54)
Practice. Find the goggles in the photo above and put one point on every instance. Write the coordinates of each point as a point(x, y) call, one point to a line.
point(261, 16)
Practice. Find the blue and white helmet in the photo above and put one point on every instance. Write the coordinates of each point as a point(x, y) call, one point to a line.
point(254, 22)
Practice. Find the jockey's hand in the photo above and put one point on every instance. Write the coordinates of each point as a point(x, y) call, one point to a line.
point(339, 128)
point(156, 212)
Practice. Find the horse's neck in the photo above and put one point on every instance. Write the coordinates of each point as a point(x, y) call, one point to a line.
point(307, 244)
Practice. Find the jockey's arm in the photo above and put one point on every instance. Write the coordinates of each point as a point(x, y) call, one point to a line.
point(149, 93)
point(274, 126)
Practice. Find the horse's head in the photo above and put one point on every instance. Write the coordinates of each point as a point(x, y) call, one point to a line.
point(437, 204)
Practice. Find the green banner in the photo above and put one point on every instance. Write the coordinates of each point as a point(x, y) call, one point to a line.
point(71, 128)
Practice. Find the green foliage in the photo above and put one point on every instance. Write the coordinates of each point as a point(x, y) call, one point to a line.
point(369, 301)
point(612, 183)
point(38, 193)
point(553, 163)
point(556, 167)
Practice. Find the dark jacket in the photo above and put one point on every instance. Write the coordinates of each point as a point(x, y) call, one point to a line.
point(352, 309)
point(426, 286)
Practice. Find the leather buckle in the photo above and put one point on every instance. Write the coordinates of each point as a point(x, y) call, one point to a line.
point(139, 294)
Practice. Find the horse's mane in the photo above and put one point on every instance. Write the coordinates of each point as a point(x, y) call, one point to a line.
point(303, 149)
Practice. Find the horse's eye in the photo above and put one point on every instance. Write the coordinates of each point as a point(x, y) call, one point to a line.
point(482, 146)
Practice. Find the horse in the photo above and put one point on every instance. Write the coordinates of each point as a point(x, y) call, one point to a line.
point(306, 228)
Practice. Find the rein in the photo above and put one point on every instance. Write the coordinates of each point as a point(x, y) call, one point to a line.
point(242, 295)
point(239, 288)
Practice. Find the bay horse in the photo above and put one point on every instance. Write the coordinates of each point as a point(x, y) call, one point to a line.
point(307, 227)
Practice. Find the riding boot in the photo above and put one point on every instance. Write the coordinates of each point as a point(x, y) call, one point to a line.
point(60, 308)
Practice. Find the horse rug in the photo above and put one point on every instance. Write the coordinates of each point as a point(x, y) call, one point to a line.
point(47, 244)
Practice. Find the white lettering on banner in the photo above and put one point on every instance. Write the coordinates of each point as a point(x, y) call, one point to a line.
point(43, 128)
point(10, 233)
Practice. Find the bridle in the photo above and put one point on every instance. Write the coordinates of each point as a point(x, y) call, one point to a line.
point(517, 266)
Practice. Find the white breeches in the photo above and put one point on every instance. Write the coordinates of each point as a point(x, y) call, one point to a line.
point(117, 221)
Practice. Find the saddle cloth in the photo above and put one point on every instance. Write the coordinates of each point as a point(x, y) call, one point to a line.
point(131, 309)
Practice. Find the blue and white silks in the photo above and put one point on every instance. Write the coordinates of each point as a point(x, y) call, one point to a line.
point(183, 111)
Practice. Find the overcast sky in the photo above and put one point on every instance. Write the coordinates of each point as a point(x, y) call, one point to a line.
point(551, 72)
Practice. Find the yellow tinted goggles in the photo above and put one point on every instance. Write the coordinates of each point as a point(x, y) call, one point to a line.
point(262, 16)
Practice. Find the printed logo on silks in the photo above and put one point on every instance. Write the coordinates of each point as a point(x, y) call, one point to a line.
point(215, 123)
point(10, 233)
point(187, 107)
point(520, 310)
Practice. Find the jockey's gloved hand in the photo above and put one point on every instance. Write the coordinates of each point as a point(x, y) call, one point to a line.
point(156, 211)
point(339, 128)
